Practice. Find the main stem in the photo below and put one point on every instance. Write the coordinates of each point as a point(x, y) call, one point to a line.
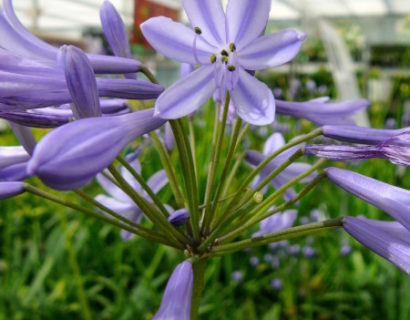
point(198, 267)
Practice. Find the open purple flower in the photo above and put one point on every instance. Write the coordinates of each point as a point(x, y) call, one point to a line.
point(225, 46)
point(321, 111)
point(277, 222)
point(120, 202)
point(275, 142)
point(71, 155)
point(388, 239)
point(176, 302)
point(17, 39)
point(393, 200)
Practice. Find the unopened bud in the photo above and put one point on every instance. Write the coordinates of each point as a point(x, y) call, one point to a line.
point(257, 197)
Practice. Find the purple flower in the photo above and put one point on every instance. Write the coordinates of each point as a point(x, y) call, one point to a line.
point(275, 262)
point(396, 149)
point(276, 284)
point(254, 261)
point(315, 215)
point(345, 250)
point(360, 135)
point(393, 200)
point(275, 142)
point(237, 276)
point(10, 189)
point(388, 239)
point(311, 85)
point(225, 46)
point(71, 155)
point(309, 252)
point(277, 222)
point(294, 249)
point(176, 302)
point(321, 112)
point(119, 202)
point(323, 89)
point(18, 40)
point(179, 217)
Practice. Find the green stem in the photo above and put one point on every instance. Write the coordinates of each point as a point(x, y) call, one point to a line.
point(169, 169)
point(149, 75)
point(188, 172)
point(145, 186)
point(140, 231)
point(155, 216)
point(220, 126)
point(279, 236)
point(192, 142)
point(198, 267)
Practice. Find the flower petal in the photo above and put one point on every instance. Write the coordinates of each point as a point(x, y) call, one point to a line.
point(115, 205)
point(10, 189)
point(209, 16)
point(274, 142)
point(246, 20)
point(176, 41)
point(271, 50)
point(186, 95)
point(12, 155)
point(25, 136)
point(253, 100)
point(158, 181)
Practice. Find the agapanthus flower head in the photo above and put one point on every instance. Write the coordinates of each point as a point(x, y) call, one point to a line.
point(393, 200)
point(388, 239)
point(176, 302)
point(275, 142)
point(118, 201)
point(226, 46)
point(10, 189)
point(71, 155)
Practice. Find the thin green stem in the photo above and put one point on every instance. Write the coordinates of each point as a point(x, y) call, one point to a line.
point(140, 231)
point(220, 126)
point(188, 171)
point(149, 75)
point(279, 236)
point(155, 216)
point(144, 185)
point(198, 267)
point(192, 142)
point(241, 136)
point(169, 169)
point(232, 173)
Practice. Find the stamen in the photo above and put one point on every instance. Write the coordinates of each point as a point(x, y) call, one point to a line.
point(232, 47)
point(213, 58)
point(231, 68)
point(198, 30)
point(224, 53)
point(194, 49)
point(224, 59)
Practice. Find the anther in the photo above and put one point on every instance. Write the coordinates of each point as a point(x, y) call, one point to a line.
point(213, 58)
point(224, 59)
point(224, 53)
point(232, 47)
point(198, 30)
point(231, 68)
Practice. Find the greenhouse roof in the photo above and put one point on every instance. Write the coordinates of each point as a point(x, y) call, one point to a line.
point(72, 16)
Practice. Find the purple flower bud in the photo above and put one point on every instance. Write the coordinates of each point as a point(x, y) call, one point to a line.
point(393, 200)
point(114, 30)
point(35, 120)
point(81, 82)
point(321, 111)
point(169, 139)
point(71, 155)
point(388, 239)
point(360, 135)
point(10, 189)
point(176, 302)
point(179, 217)
point(276, 284)
point(237, 276)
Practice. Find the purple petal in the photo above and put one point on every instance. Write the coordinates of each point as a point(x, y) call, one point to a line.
point(115, 205)
point(176, 302)
point(114, 30)
point(274, 142)
point(35, 120)
point(397, 148)
point(176, 41)
point(209, 16)
point(253, 100)
point(24, 136)
point(12, 155)
point(386, 244)
point(109, 64)
point(360, 135)
point(11, 62)
point(71, 155)
point(128, 89)
point(10, 189)
point(393, 200)
point(81, 83)
point(271, 50)
point(185, 69)
point(343, 153)
point(112, 189)
point(246, 20)
point(186, 95)
point(169, 138)
point(158, 181)
point(15, 172)
point(179, 217)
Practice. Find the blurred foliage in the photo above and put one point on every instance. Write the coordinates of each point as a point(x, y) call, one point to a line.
point(59, 264)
